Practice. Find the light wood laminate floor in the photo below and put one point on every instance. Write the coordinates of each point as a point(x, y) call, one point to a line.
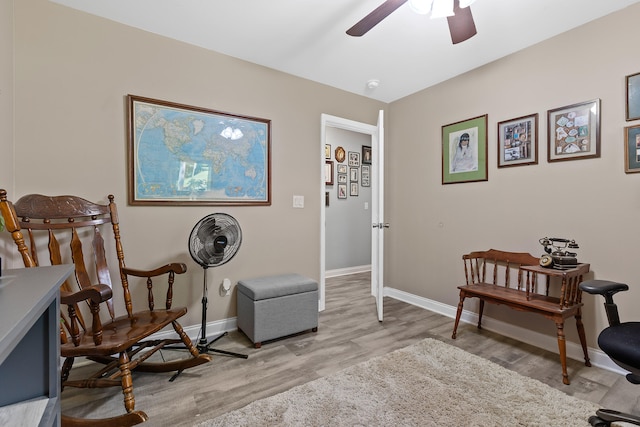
point(348, 333)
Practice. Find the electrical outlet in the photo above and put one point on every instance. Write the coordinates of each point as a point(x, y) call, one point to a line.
point(226, 286)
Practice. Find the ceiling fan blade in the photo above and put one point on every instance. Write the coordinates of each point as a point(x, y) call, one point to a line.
point(461, 25)
point(375, 17)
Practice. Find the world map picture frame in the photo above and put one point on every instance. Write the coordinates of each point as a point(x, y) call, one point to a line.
point(185, 155)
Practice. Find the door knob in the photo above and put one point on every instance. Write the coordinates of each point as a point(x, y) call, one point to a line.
point(381, 225)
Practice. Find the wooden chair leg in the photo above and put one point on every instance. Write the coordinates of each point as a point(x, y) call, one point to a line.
point(127, 382)
point(185, 339)
point(562, 348)
point(583, 339)
point(66, 369)
point(458, 314)
point(480, 311)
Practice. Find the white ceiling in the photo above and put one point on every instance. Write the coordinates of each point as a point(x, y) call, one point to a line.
point(407, 52)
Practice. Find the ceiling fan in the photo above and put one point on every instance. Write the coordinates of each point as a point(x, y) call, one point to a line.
point(458, 13)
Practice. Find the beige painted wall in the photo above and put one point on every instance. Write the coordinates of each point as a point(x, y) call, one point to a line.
point(73, 71)
point(6, 102)
point(6, 90)
point(592, 201)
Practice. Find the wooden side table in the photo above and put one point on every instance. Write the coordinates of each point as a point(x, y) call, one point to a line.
point(567, 303)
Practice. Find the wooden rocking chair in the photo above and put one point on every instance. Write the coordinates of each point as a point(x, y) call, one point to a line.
point(117, 342)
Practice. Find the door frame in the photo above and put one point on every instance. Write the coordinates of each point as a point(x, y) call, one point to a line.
point(326, 121)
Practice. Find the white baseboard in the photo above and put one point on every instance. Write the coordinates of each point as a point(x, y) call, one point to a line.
point(546, 342)
point(348, 270)
point(574, 351)
point(214, 329)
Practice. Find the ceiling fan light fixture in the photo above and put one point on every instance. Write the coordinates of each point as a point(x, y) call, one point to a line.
point(421, 7)
point(466, 3)
point(442, 9)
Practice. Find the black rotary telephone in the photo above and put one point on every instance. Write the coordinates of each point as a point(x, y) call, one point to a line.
point(557, 256)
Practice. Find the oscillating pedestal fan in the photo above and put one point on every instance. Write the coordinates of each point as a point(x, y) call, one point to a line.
point(214, 240)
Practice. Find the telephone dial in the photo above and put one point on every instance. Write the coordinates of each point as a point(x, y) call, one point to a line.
point(557, 256)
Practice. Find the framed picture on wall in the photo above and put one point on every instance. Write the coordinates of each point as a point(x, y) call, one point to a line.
point(342, 178)
point(365, 176)
point(354, 189)
point(328, 172)
point(366, 155)
point(342, 191)
point(464, 151)
point(354, 159)
point(353, 177)
point(573, 132)
point(518, 141)
point(201, 141)
point(342, 168)
point(632, 149)
point(327, 151)
point(633, 97)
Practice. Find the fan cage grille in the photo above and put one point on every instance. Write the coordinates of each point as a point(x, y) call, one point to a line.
point(215, 240)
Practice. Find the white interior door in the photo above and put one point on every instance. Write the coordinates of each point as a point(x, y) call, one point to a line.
point(377, 216)
point(377, 202)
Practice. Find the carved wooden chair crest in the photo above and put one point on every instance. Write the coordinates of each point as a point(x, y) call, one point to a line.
point(73, 219)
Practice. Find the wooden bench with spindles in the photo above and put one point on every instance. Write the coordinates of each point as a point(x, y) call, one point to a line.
point(511, 279)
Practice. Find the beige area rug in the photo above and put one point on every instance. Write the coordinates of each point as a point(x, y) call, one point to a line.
point(426, 384)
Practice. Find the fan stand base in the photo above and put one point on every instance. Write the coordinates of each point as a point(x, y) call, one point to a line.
point(205, 347)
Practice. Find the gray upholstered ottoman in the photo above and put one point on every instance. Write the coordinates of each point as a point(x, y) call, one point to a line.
point(277, 306)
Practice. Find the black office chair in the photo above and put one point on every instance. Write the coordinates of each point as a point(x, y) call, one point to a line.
point(621, 342)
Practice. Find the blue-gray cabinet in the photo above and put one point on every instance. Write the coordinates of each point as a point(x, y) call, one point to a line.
point(30, 345)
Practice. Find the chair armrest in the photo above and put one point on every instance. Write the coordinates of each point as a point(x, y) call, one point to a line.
point(603, 287)
point(607, 289)
point(177, 268)
point(95, 293)
point(170, 270)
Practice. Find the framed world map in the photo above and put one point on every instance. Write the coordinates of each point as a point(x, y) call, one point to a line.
point(179, 154)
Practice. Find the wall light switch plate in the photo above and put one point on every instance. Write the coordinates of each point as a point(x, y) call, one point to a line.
point(298, 202)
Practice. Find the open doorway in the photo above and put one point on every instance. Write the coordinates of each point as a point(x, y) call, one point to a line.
point(348, 203)
point(337, 132)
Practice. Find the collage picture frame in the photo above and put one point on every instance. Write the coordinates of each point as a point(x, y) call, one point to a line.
point(518, 141)
point(573, 132)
